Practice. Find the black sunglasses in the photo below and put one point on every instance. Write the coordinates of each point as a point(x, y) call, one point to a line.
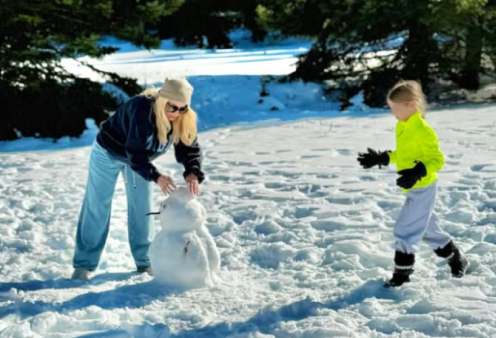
point(172, 109)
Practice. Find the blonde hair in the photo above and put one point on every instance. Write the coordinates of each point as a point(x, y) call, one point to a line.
point(183, 127)
point(409, 91)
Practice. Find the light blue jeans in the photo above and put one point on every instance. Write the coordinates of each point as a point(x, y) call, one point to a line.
point(94, 219)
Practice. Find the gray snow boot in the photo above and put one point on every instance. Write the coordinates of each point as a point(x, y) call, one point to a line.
point(147, 269)
point(81, 274)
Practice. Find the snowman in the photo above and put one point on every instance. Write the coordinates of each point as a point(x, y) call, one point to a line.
point(183, 254)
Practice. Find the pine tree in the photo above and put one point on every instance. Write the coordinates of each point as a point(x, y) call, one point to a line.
point(38, 97)
point(479, 37)
point(370, 44)
point(207, 23)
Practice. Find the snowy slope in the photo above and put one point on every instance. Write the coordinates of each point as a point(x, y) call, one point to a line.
point(304, 233)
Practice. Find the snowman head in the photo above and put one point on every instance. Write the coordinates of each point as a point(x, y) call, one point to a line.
point(181, 211)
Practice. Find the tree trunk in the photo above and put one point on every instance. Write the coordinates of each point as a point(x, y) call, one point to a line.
point(469, 78)
point(420, 53)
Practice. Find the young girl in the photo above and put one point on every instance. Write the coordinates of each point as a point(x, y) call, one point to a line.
point(418, 159)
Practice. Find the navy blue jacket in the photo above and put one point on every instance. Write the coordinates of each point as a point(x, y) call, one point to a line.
point(130, 135)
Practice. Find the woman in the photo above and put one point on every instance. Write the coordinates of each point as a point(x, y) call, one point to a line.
point(141, 129)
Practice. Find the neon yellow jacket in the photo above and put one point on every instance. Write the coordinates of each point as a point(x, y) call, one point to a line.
point(417, 141)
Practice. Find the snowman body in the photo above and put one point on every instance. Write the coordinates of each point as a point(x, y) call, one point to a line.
point(183, 254)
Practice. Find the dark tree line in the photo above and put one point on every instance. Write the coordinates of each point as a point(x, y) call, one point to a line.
point(359, 45)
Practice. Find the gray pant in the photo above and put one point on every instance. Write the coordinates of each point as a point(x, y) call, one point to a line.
point(417, 221)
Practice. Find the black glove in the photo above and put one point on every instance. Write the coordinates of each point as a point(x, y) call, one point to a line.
point(372, 158)
point(197, 171)
point(410, 176)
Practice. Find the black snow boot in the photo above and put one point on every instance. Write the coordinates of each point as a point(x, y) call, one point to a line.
point(402, 270)
point(456, 261)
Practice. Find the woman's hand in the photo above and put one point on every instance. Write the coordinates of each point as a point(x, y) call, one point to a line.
point(193, 184)
point(166, 184)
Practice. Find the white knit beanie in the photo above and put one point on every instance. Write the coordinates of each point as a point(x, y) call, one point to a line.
point(177, 89)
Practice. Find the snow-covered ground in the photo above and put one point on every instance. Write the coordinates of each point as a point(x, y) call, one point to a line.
point(305, 234)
